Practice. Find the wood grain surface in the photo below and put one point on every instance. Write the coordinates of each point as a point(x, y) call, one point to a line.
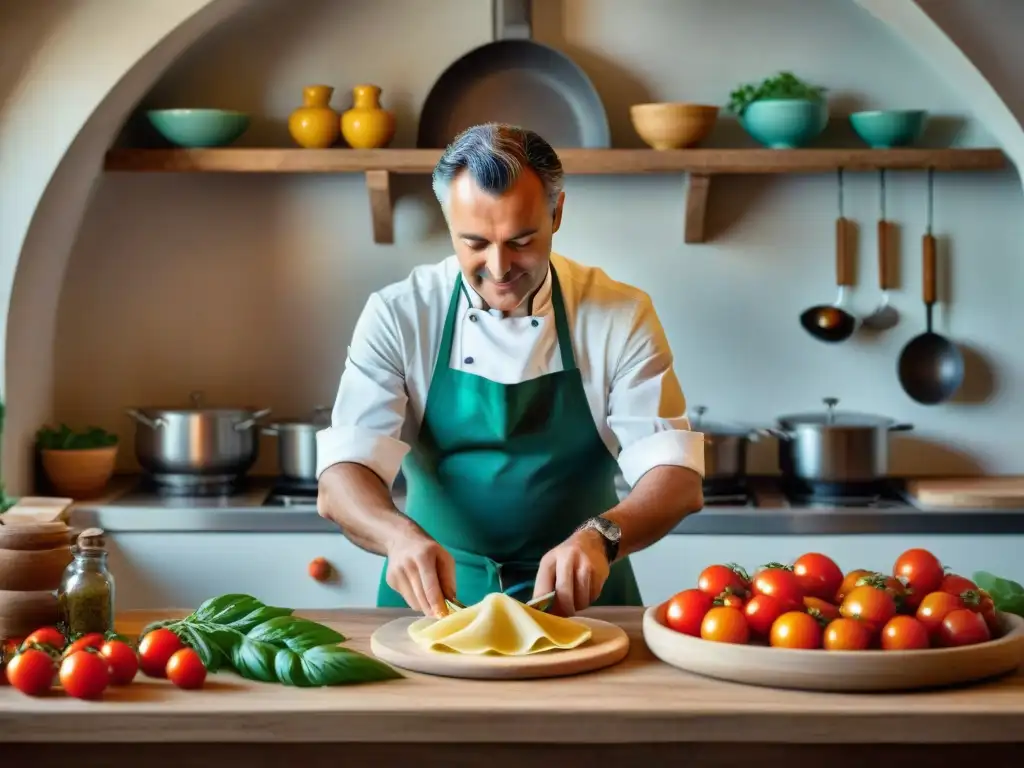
point(639, 701)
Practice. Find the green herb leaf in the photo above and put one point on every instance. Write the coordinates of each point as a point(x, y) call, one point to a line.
point(226, 608)
point(210, 654)
point(252, 620)
point(1007, 595)
point(254, 660)
point(295, 633)
point(335, 665)
point(66, 439)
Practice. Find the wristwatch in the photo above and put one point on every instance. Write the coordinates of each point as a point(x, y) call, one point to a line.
point(610, 532)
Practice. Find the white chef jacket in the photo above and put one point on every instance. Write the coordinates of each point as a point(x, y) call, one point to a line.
point(620, 347)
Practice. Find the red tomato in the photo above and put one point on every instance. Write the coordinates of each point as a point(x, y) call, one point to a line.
point(921, 572)
point(761, 612)
point(31, 672)
point(870, 605)
point(185, 669)
point(904, 633)
point(795, 630)
point(93, 640)
point(988, 611)
point(820, 609)
point(957, 585)
point(122, 661)
point(725, 625)
point(963, 627)
point(155, 651)
point(781, 584)
point(818, 575)
point(84, 675)
point(849, 583)
point(846, 635)
point(716, 579)
point(685, 611)
point(50, 636)
point(935, 607)
point(731, 600)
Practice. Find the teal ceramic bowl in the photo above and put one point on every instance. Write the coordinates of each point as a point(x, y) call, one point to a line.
point(889, 128)
point(195, 128)
point(785, 123)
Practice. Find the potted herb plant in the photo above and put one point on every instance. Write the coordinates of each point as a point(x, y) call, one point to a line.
point(78, 464)
point(782, 111)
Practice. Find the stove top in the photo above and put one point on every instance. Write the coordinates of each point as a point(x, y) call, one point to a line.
point(774, 493)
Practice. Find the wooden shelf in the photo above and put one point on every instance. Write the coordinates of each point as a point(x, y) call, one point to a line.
point(700, 164)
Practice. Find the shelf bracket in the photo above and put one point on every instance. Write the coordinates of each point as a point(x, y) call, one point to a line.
point(696, 207)
point(382, 206)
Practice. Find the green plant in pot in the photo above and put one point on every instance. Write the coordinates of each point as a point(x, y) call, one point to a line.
point(79, 464)
point(782, 111)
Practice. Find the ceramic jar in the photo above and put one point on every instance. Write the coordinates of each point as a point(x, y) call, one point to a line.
point(314, 125)
point(367, 125)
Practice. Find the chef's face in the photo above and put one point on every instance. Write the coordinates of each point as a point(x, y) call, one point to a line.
point(503, 242)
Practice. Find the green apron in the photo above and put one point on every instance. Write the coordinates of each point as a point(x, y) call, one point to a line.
point(500, 474)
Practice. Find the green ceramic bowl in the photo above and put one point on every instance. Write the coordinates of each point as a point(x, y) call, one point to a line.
point(888, 128)
point(785, 123)
point(199, 127)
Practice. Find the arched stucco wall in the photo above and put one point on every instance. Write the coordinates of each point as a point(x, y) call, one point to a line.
point(117, 52)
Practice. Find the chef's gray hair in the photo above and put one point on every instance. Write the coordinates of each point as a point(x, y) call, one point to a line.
point(495, 154)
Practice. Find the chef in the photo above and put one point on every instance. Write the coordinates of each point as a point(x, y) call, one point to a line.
point(510, 385)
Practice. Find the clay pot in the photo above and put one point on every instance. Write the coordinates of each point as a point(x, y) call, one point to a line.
point(367, 125)
point(314, 125)
point(22, 613)
point(80, 474)
point(33, 557)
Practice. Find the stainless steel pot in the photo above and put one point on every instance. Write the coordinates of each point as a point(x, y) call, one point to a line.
point(175, 444)
point(725, 448)
point(835, 447)
point(296, 445)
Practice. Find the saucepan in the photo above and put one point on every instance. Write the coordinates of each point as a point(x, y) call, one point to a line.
point(296, 444)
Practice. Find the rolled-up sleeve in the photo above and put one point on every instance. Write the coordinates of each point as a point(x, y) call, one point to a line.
point(646, 406)
point(369, 411)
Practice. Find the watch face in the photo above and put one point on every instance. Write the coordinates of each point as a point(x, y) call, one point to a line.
point(609, 529)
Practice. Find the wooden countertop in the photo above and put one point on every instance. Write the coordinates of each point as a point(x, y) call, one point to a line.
point(640, 700)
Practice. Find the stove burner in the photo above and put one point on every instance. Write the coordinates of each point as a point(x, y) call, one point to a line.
point(204, 486)
point(843, 493)
point(725, 487)
point(284, 486)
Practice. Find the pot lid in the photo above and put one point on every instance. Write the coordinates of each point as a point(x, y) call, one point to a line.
point(319, 418)
point(699, 424)
point(830, 417)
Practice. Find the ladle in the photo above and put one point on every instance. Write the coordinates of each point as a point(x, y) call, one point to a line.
point(831, 322)
point(885, 315)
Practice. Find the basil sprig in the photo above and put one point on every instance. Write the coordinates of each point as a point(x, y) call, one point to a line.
point(269, 644)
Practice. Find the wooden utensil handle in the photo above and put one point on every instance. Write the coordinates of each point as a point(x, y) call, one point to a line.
point(928, 268)
point(844, 276)
point(883, 255)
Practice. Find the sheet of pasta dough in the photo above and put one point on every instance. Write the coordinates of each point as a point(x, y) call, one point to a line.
point(499, 624)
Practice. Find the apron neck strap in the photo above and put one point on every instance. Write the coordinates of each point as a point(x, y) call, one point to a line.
point(444, 354)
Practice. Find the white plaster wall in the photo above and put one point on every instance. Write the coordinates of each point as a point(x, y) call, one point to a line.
point(278, 267)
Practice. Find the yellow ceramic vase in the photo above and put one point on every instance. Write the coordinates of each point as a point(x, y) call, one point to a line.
point(314, 125)
point(367, 125)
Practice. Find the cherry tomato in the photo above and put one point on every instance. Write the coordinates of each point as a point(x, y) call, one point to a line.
point(795, 630)
point(849, 583)
point(963, 627)
point(84, 675)
point(50, 636)
point(685, 611)
point(820, 609)
point(781, 584)
point(870, 605)
point(93, 640)
point(725, 625)
point(716, 579)
point(155, 651)
point(957, 585)
point(921, 572)
point(846, 635)
point(122, 661)
point(935, 606)
point(185, 669)
point(988, 611)
point(904, 633)
point(31, 672)
point(731, 599)
point(761, 612)
point(818, 575)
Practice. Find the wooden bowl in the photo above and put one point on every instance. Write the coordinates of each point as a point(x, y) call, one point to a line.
point(33, 569)
point(672, 125)
point(836, 670)
point(24, 612)
point(26, 536)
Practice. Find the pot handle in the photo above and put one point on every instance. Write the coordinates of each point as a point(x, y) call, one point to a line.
point(251, 421)
point(778, 434)
point(271, 431)
point(145, 420)
point(901, 427)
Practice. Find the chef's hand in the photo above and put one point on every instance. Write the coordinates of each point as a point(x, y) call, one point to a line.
point(422, 572)
point(575, 571)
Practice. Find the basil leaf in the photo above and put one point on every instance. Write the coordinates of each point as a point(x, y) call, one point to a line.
point(335, 665)
point(1007, 595)
point(254, 660)
point(226, 608)
point(289, 670)
point(295, 633)
point(263, 613)
point(210, 655)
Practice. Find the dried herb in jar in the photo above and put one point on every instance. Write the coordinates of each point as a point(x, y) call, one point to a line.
point(86, 593)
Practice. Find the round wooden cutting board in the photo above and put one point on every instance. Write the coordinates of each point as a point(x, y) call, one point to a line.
point(608, 645)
